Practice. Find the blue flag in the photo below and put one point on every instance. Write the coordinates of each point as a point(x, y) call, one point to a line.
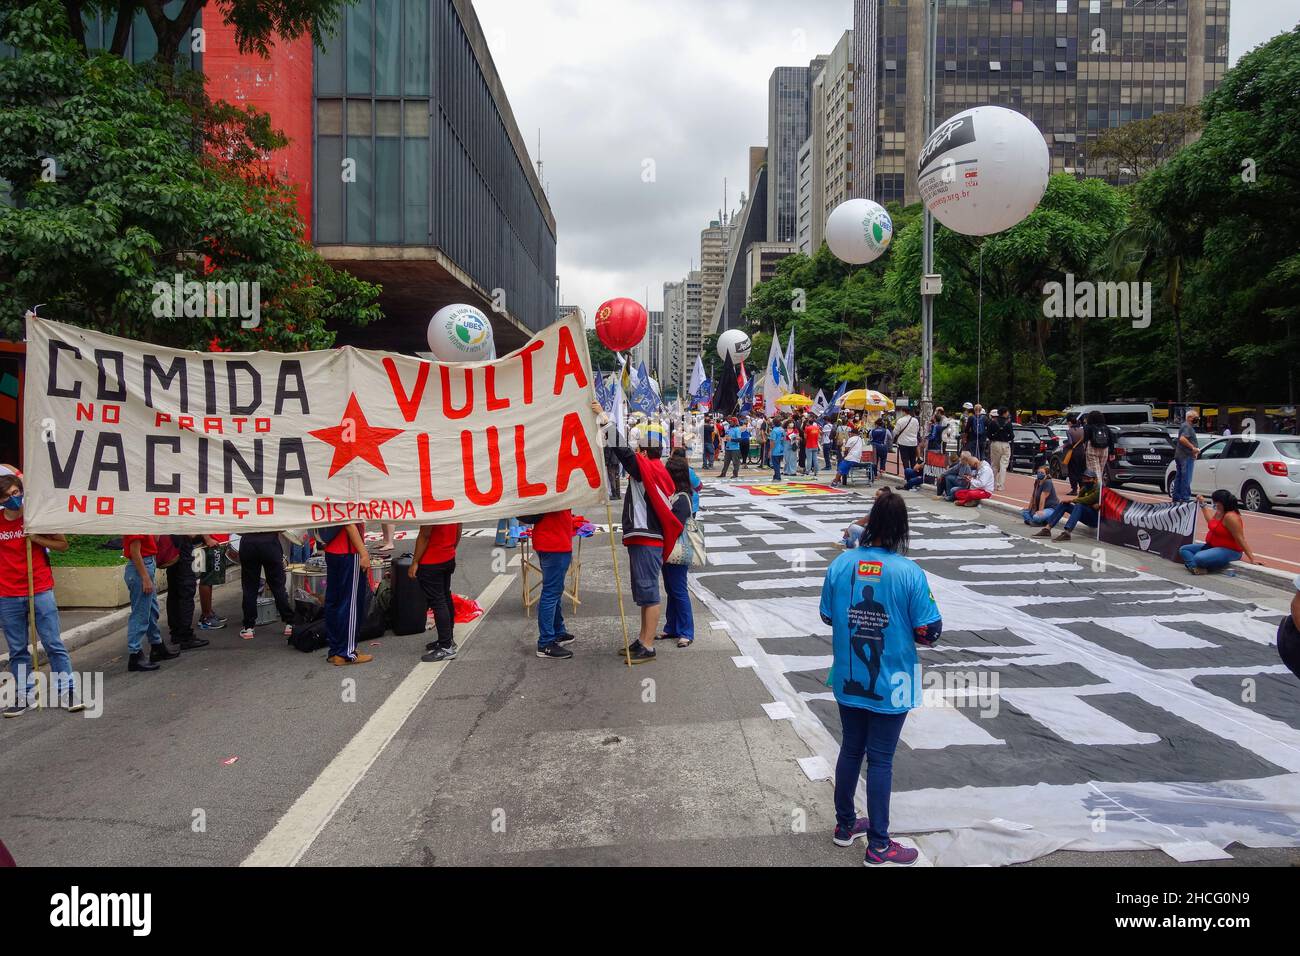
point(604, 394)
point(746, 397)
point(644, 398)
point(835, 402)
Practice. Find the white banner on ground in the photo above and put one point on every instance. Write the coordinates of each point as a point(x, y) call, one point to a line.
point(127, 437)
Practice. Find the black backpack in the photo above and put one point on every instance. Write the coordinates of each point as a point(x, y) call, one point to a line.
point(1099, 436)
point(310, 636)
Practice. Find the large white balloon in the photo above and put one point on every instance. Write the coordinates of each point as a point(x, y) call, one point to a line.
point(460, 333)
point(984, 170)
point(858, 231)
point(735, 343)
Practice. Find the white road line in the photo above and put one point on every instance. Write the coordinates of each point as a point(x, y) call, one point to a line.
point(298, 829)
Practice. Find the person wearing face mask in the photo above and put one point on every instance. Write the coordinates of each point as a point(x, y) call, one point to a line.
point(1042, 499)
point(1225, 539)
point(13, 604)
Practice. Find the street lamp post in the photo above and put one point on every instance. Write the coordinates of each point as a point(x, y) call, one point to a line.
point(928, 290)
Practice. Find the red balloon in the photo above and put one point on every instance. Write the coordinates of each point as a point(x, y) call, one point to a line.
point(621, 324)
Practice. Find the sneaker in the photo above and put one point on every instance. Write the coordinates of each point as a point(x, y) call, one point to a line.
point(632, 647)
point(73, 704)
point(1063, 536)
point(642, 654)
point(288, 631)
point(435, 654)
point(895, 854)
point(845, 837)
point(1043, 532)
point(15, 710)
point(247, 633)
point(160, 652)
point(450, 649)
point(212, 622)
point(554, 652)
point(191, 643)
point(338, 660)
point(565, 639)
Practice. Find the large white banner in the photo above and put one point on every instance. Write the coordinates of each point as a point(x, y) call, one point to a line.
point(126, 437)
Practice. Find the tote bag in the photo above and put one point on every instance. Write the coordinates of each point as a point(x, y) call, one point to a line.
point(689, 549)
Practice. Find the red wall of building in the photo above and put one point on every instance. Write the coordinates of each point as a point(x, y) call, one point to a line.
point(280, 85)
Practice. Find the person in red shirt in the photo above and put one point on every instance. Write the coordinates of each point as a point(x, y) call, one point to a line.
point(347, 591)
point(139, 551)
point(553, 542)
point(812, 443)
point(432, 563)
point(13, 603)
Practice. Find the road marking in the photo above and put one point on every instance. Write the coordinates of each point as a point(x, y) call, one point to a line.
point(298, 829)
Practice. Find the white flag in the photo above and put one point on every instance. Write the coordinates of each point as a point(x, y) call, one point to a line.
point(773, 377)
point(791, 377)
point(820, 404)
point(697, 379)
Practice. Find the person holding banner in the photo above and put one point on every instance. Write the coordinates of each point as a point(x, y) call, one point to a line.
point(347, 591)
point(13, 603)
point(1225, 538)
point(140, 551)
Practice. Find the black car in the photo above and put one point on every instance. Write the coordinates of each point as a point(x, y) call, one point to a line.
point(1142, 455)
point(1028, 448)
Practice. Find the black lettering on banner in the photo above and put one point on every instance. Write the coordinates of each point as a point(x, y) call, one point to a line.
point(230, 456)
point(283, 472)
point(232, 369)
point(210, 387)
point(282, 392)
point(60, 472)
point(203, 466)
point(153, 369)
point(151, 483)
point(52, 386)
point(109, 441)
point(118, 361)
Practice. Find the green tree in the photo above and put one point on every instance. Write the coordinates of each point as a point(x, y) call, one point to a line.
point(118, 185)
point(1140, 145)
point(601, 358)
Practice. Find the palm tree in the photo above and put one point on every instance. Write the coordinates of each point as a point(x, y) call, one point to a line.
point(1147, 248)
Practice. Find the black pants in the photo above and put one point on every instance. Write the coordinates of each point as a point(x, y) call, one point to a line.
point(744, 451)
point(611, 470)
point(733, 459)
point(260, 553)
point(435, 582)
point(182, 583)
point(907, 454)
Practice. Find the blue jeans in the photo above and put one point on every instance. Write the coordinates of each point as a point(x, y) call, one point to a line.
point(914, 478)
point(707, 457)
point(550, 617)
point(874, 735)
point(1183, 478)
point(143, 621)
point(776, 467)
point(791, 459)
point(881, 455)
point(1083, 513)
point(1032, 517)
point(13, 617)
point(1201, 555)
point(679, 621)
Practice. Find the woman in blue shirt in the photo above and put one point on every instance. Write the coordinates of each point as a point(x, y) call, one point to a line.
point(880, 450)
point(778, 449)
point(879, 606)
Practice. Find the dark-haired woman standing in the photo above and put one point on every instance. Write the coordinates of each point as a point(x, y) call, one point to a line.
point(879, 606)
point(1225, 539)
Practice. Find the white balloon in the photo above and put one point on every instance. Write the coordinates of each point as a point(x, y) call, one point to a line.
point(859, 231)
point(735, 343)
point(460, 333)
point(984, 170)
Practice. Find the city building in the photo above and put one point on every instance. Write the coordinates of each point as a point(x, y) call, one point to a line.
point(648, 348)
point(1074, 67)
point(672, 348)
point(714, 242)
point(806, 199)
point(761, 260)
point(788, 92)
point(749, 226)
point(832, 128)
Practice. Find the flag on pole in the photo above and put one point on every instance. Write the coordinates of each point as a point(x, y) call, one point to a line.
point(619, 413)
point(604, 394)
point(774, 376)
point(697, 377)
point(724, 401)
point(790, 376)
point(839, 394)
point(820, 404)
point(746, 397)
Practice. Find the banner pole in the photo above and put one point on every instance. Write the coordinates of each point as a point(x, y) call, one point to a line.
point(31, 620)
point(618, 582)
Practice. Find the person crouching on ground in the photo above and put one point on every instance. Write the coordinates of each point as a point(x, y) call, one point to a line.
point(347, 591)
point(140, 551)
point(1082, 507)
point(432, 564)
point(879, 606)
point(14, 610)
point(679, 618)
point(1042, 499)
point(650, 530)
point(1225, 539)
point(553, 542)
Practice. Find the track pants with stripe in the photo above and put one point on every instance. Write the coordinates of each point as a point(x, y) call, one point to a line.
point(347, 595)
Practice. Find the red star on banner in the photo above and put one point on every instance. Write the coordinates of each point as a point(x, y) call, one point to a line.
point(355, 438)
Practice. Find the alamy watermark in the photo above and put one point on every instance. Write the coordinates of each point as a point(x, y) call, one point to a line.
point(1098, 300)
point(213, 300)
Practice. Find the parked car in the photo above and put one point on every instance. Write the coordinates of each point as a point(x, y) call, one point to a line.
point(1263, 471)
point(1143, 453)
point(1116, 414)
point(1053, 440)
point(1028, 448)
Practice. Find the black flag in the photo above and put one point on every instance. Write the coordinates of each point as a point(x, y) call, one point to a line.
point(724, 394)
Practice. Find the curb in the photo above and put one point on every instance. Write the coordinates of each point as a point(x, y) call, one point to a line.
point(1271, 577)
point(78, 637)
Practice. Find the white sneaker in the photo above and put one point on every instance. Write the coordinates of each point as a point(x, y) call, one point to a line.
point(288, 630)
point(247, 633)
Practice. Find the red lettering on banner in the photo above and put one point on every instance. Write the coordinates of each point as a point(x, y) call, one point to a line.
point(185, 506)
point(85, 411)
point(160, 418)
point(526, 356)
point(76, 504)
point(213, 425)
point(161, 507)
point(266, 506)
point(427, 501)
point(465, 409)
point(114, 410)
point(568, 362)
point(575, 454)
point(239, 424)
point(185, 423)
point(472, 492)
point(104, 506)
point(214, 506)
point(409, 404)
point(261, 424)
point(527, 489)
point(494, 404)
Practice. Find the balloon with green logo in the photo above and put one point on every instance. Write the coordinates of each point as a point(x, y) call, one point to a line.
point(460, 333)
point(859, 231)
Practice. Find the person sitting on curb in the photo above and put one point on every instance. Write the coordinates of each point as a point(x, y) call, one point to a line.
point(1288, 633)
point(1042, 499)
point(1225, 539)
point(1082, 507)
point(981, 487)
point(955, 477)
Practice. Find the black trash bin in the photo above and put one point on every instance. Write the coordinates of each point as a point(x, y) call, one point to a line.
point(410, 609)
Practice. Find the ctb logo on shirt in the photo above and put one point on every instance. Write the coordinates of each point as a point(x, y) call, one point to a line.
point(869, 569)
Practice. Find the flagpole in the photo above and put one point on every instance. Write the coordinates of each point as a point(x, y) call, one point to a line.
point(31, 622)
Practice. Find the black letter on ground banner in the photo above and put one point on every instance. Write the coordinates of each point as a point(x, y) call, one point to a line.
point(230, 456)
point(235, 407)
point(62, 474)
point(107, 441)
point(153, 369)
point(282, 393)
point(119, 361)
point(283, 473)
point(151, 483)
point(52, 387)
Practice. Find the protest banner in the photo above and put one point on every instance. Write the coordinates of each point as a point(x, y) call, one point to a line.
point(936, 463)
point(1159, 527)
point(127, 437)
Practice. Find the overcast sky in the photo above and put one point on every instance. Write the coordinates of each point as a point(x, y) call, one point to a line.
point(615, 85)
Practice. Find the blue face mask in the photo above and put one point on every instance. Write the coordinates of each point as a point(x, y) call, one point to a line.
point(14, 503)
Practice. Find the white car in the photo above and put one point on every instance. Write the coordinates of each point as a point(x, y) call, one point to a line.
point(1263, 471)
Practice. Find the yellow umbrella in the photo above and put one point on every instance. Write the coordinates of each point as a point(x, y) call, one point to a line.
point(867, 399)
point(793, 399)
